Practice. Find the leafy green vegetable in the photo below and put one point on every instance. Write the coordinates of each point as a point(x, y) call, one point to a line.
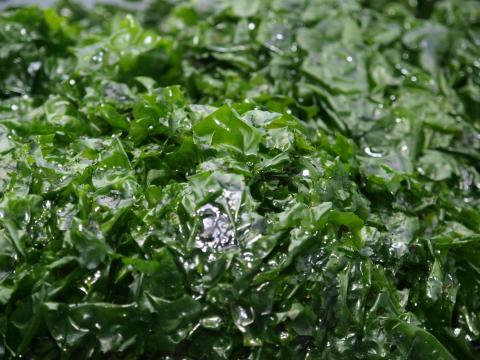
point(288, 179)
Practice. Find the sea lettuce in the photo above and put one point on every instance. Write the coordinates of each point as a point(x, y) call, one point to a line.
point(288, 179)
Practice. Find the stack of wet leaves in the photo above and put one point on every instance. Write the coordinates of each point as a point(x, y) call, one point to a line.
point(283, 179)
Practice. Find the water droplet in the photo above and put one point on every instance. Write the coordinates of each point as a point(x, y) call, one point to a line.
point(371, 153)
point(279, 36)
point(72, 82)
point(148, 40)
point(398, 248)
point(65, 12)
point(366, 251)
point(243, 316)
point(349, 58)
point(33, 67)
point(251, 26)
point(211, 322)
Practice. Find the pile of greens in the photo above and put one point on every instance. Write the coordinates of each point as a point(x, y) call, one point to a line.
point(241, 179)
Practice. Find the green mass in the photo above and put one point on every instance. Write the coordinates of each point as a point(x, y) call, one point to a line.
point(240, 179)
